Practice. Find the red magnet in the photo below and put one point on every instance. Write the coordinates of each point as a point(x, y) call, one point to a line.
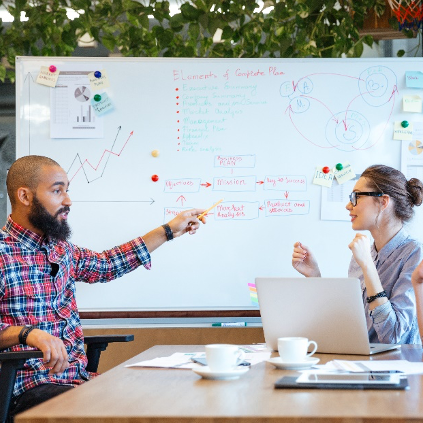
point(326, 169)
point(52, 68)
point(155, 178)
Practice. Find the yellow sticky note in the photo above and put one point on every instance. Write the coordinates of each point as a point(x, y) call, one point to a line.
point(401, 133)
point(412, 103)
point(100, 81)
point(45, 77)
point(321, 178)
point(345, 174)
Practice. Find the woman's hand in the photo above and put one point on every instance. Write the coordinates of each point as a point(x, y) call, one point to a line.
point(304, 262)
point(360, 247)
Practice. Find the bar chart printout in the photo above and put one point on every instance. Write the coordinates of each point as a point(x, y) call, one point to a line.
point(71, 112)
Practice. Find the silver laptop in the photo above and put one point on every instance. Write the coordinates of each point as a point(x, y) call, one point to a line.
point(326, 310)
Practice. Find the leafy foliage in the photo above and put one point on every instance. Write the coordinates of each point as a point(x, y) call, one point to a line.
point(203, 28)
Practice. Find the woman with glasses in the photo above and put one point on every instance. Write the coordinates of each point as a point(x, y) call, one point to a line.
point(381, 202)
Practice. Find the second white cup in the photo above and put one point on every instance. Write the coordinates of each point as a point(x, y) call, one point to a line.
point(294, 349)
point(223, 357)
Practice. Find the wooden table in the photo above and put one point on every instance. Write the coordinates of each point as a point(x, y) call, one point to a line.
point(172, 395)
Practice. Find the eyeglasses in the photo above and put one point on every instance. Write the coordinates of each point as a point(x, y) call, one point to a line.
point(354, 195)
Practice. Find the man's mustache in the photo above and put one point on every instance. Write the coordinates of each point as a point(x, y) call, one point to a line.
point(62, 210)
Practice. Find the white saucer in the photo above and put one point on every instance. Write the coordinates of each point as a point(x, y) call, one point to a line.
point(285, 365)
point(206, 373)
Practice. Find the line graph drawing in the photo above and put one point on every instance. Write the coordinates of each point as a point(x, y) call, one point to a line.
point(85, 163)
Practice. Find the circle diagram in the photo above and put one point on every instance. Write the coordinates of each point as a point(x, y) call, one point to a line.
point(299, 104)
point(377, 85)
point(82, 94)
point(415, 147)
point(286, 89)
point(348, 130)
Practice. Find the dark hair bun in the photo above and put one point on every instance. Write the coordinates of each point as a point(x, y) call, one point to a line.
point(415, 190)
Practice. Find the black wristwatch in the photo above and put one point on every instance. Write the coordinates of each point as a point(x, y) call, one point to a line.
point(23, 334)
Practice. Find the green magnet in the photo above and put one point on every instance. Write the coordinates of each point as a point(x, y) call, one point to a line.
point(339, 166)
point(404, 124)
point(97, 97)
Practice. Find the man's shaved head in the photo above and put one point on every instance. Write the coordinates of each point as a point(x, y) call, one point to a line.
point(25, 172)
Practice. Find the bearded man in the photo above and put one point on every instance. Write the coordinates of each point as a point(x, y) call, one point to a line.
point(38, 271)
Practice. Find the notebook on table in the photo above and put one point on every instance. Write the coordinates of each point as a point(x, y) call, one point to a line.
point(326, 310)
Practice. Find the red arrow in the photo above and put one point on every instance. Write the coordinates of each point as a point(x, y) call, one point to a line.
point(286, 194)
point(394, 91)
point(261, 208)
point(260, 182)
point(206, 185)
point(182, 198)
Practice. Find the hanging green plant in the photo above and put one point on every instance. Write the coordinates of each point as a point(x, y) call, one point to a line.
point(202, 28)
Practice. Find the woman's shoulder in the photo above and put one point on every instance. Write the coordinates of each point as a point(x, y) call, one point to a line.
point(411, 247)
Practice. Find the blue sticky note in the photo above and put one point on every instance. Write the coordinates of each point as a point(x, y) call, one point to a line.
point(103, 106)
point(414, 79)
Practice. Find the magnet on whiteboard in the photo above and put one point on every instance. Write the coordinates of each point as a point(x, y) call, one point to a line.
point(339, 166)
point(155, 178)
point(97, 97)
point(52, 68)
point(326, 169)
point(97, 74)
point(404, 124)
point(155, 153)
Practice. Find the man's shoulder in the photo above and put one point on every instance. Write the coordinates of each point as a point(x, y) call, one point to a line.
point(5, 239)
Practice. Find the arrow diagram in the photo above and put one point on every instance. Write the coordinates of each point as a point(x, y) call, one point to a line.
point(182, 198)
point(392, 98)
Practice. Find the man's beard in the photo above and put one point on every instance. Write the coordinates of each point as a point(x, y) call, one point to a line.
point(41, 219)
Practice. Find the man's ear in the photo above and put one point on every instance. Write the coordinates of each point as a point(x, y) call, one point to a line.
point(24, 196)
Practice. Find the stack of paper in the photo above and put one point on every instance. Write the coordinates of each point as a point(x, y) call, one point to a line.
point(252, 353)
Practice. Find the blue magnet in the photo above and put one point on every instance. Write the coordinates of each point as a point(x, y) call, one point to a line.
point(97, 74)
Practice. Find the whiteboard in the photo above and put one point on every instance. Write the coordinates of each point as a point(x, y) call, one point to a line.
point(250, 132)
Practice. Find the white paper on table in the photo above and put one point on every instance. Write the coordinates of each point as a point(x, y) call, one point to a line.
point(174, 361)
point(405, 366)
point(183, 360)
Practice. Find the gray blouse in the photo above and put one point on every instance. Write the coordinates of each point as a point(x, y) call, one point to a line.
point(394, 322)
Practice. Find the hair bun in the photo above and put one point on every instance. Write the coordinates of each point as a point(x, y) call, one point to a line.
point(415, 190)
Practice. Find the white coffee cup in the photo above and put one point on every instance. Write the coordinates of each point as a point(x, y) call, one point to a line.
point(223, 357)
point(294, 349)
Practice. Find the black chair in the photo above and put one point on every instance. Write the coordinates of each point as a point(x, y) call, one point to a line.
point(11, 362)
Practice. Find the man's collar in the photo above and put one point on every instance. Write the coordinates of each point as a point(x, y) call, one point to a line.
point(27, 237)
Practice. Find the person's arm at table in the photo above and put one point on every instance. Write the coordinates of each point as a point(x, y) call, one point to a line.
point(417, 281)
point(360, 248)
point(54, 352)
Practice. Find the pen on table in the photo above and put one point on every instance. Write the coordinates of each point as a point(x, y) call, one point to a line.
point(230, 324)
point(212, 207)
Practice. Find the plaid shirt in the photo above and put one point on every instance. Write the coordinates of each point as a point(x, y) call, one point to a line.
point(29, 295)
